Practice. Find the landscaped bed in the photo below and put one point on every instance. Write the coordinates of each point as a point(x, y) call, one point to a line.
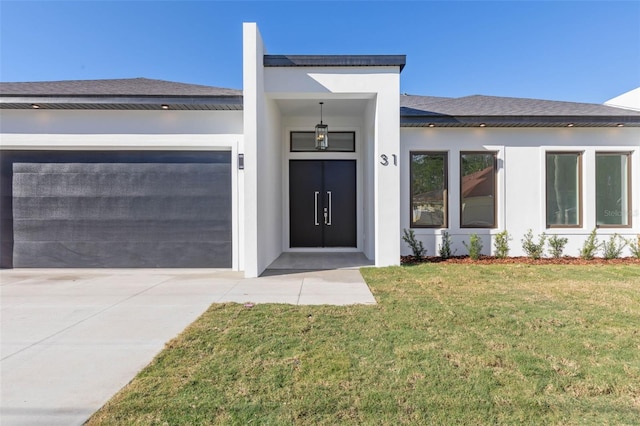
point(487, 260)
point(448, 343)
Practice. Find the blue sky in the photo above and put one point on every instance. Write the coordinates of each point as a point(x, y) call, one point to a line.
point(582, 51)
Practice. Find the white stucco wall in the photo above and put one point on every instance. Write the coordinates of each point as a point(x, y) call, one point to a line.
point(99, 129)
point(270, 175)
point(628, 100)
point(93, 122)
point(521, 180)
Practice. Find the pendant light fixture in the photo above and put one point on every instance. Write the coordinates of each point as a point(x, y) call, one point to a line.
point(322, 133)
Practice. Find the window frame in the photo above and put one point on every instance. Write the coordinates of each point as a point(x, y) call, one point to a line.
point(445, 197)
point(579, 189)
point(352, 132)
point(629, 191)
point(495, 188)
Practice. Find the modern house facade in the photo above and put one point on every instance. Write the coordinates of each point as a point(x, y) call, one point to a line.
point(148, 173)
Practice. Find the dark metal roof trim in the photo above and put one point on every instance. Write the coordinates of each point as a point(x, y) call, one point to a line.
point(518, 121)
point(335, 61)
point(215, 103)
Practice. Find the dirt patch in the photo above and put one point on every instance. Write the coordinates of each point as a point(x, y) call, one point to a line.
point(566, 260)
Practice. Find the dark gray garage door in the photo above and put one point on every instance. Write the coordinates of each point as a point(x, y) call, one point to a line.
point(117, 209)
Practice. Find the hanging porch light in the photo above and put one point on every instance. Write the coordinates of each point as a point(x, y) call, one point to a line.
point(322, 133)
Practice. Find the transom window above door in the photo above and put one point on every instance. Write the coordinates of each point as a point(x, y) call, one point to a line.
point(338, 142)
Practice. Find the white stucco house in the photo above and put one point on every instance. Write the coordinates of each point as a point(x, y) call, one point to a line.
point(148, 173)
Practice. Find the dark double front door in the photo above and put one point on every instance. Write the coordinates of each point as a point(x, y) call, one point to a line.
point(322, 203)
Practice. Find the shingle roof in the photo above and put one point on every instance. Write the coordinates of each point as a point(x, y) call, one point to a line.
point(113, 87)
point(493, 110)
point(132, 93)
point(415, 111)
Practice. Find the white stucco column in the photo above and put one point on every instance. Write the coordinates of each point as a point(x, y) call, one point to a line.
point(387, 173)
point(252, 80)
point(263, 161)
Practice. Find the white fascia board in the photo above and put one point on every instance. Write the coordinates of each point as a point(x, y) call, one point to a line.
point(119, 141)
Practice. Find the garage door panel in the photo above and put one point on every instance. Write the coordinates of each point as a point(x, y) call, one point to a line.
point(177, 208)
point(120, 230)
point(206, 181)
point(101, 167)
point(57, 254)
point(116, 209)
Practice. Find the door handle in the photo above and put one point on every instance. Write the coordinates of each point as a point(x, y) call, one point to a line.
point(315, 210)
point(328, 223)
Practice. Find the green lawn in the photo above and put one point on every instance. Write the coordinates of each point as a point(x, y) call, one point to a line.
point(447, 344)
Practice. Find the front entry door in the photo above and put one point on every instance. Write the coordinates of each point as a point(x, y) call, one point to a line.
point(322, 203)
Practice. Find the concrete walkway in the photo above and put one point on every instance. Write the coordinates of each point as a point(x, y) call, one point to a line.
point(71, 338)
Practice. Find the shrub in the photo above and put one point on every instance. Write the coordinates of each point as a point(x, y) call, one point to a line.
point(634, 246)
point(445, 247)
point(590, 246)
point(474, 246)
point(534, 250)
point(501, 244)
point(417, 248)
point(556, 245)
point(612, 249)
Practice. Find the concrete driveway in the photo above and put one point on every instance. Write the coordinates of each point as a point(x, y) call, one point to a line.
point(72, 338)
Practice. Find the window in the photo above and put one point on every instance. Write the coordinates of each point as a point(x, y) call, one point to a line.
point(613, 189)
point(338, 142)
point(478, 189)
point(428, 189)
point(563, 177)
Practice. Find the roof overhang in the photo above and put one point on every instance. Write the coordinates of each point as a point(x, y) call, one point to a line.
point(335, 61)
point(518, 121)
point(150, 103)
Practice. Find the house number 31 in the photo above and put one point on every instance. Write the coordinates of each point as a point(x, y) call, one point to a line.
point(384, 159)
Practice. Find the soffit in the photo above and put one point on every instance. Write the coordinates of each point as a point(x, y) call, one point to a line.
point(331, 107)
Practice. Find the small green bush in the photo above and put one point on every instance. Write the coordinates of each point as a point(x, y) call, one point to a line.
point(417, 248)
point(634, 246)
point(556, 245)
point(474, 247)
point(612, 249)
point(445, 247)
point(501, 244)
point(590, 246)
point(532, 249)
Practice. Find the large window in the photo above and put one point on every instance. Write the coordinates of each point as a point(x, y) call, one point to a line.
point(478, 189)
point(563, 177)
point(428, 189)
point(613, 206)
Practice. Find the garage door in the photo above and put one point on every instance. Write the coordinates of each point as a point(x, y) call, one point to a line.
point(118, 209)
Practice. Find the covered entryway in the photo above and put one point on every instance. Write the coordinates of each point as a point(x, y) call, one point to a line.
point(118, 209)
point(282, 96)
point(322, 203)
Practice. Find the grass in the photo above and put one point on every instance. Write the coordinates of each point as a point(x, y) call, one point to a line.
point(447, 344)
